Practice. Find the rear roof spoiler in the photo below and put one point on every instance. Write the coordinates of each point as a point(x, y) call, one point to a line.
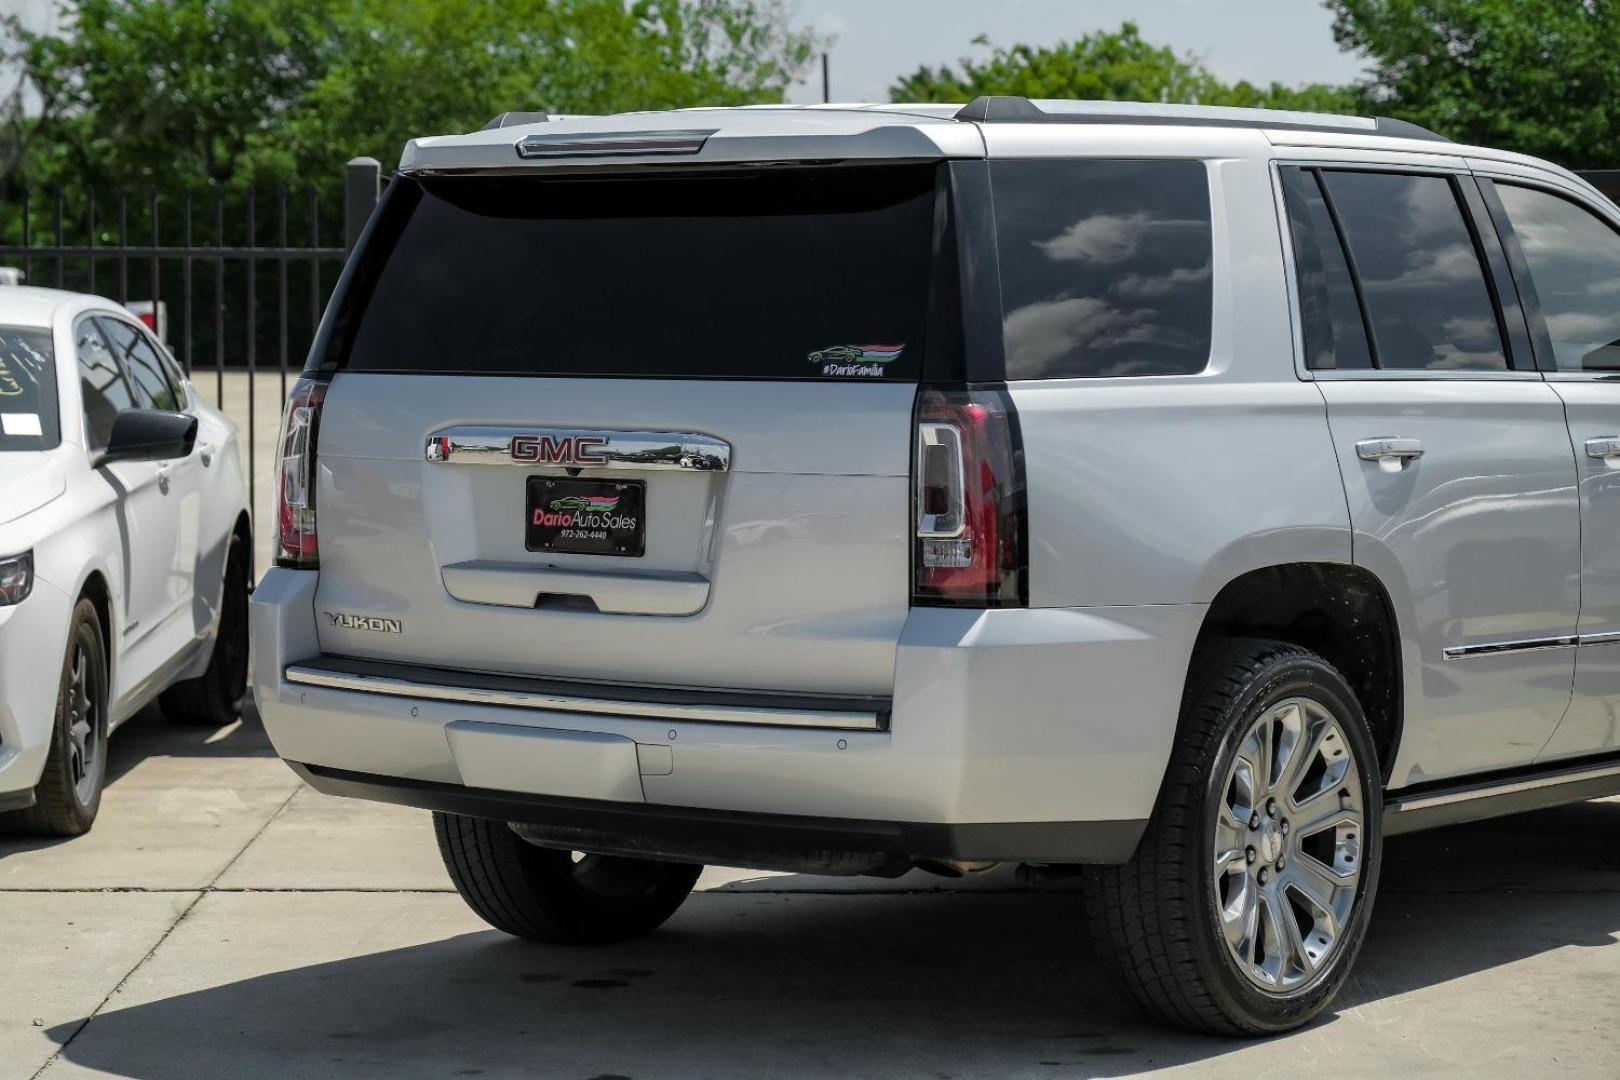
point(994, 109)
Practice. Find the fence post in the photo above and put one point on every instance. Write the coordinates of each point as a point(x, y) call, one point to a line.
point(362, 184)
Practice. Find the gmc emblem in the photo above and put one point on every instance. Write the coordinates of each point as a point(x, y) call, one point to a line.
point(550, 450)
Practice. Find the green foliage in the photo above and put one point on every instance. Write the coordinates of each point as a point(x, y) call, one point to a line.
point(1539, 76)
point(173, 93)
point(1105, 65)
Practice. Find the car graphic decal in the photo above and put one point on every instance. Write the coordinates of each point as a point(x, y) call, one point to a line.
point(867, 360)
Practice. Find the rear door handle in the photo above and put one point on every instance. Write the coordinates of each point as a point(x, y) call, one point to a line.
point(1390, 453)
point(1604, 447)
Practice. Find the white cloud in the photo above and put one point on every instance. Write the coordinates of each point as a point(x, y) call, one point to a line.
point(1100, 238)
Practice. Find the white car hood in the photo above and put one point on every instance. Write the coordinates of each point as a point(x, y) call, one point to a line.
point(27, 482)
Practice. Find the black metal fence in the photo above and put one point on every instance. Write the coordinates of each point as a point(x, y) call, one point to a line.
point(239, 277)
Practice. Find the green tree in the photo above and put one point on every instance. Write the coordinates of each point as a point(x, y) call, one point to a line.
point(1106, 65)
point(1539, 76)
point(182, 92)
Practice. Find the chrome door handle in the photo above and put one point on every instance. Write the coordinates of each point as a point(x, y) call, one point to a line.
point(1604, 448)
point(1391, 454)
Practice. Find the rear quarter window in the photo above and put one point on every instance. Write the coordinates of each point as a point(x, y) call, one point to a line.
point(1105, 266)
point(29, 418)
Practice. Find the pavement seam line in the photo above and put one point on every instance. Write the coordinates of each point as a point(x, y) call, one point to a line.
point(158, 944)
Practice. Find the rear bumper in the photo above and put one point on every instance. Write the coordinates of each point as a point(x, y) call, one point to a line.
point(1036, 735)
point(666, 829)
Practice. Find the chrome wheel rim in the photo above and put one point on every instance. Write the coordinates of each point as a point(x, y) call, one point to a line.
point(85, 729)
point(1287, 847)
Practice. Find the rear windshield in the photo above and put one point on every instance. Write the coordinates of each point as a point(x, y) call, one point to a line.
point(806, 273)
point(28, 419)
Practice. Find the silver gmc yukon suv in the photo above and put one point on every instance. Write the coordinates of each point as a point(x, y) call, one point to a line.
point(1182, 498)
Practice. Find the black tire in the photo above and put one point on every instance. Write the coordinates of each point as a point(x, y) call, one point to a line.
point(546, 895)
point(214, 698)
point(1155, 920)
point(69, 791)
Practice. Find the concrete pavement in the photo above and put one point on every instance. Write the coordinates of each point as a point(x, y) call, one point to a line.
point(223, 921)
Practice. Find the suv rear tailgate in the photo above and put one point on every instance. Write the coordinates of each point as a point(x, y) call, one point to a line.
point(638, 428)
point(802, 542)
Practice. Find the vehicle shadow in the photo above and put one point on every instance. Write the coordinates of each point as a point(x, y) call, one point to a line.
point(149, 734)
point(747, 983)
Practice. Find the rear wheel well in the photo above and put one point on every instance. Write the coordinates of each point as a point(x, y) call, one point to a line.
point(1340, 612)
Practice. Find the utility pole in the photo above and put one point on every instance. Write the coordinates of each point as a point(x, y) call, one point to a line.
point(826, 81)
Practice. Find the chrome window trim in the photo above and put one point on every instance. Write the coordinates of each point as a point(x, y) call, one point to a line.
point(554, 702)
point(645, 451)
point(1417, 374)
point(1452, 167)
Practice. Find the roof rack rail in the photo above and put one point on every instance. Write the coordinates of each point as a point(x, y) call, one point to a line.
point(993, 109)
point(512, 119)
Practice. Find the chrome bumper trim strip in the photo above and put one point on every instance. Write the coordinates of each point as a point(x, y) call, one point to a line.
point(550, 702)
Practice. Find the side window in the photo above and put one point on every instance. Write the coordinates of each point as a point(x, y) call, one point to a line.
point(1335, 336)
point(102, 384)
point(1419, 270)
point(1574, 262)
point(153, 387)
point(1105, 266)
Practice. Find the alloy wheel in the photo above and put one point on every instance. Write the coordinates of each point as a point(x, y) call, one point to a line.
point(86, 730)
point(1287, 845)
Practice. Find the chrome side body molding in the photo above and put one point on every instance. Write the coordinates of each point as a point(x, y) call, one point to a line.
point(579, 448)
point(1571, 641)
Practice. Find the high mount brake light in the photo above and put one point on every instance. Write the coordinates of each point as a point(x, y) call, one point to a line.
point(296, 542)
point(970, 548)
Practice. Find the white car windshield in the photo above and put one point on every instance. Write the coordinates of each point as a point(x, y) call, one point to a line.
point(28, 416)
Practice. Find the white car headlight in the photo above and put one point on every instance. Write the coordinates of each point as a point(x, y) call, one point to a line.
point(16, 578)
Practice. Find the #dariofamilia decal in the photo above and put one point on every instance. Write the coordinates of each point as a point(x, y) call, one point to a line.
point(864, 360)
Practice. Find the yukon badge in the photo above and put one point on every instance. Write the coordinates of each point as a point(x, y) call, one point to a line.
point(365, 622)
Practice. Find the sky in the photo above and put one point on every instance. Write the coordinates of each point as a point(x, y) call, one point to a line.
point(1289, 41)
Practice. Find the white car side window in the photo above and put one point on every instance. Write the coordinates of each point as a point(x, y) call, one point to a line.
point(102, 384)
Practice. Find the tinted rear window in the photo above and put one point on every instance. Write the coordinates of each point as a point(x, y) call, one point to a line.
point(801, 273)
point(1335, 336)
point(1105, 266)
point(28, 415)
point(1420, 274)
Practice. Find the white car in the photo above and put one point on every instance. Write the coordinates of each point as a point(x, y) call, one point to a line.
point(124, 550)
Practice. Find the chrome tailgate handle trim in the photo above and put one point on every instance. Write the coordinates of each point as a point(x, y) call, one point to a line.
point(579, 448)
point(484, 581)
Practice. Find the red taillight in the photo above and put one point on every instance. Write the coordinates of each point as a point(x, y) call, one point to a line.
point(970, 545)
point(296, 543)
